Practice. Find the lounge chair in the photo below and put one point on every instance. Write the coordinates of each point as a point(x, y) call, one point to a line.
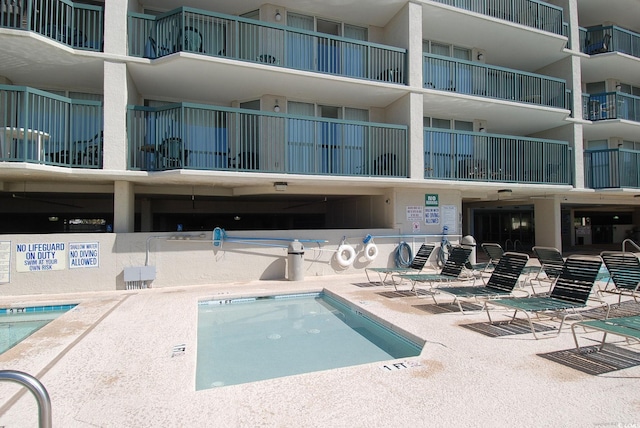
point(417, 264)
point(570, 292)
point(624, 273)
point(627, 327)
point(551, 263)
point(494, 252)
point(451, 271)
point(502, 282)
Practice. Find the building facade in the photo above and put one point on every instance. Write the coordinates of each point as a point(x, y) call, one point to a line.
point(515, 121)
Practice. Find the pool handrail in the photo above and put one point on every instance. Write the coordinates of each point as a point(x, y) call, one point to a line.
point(38, 390)
point(629, 241)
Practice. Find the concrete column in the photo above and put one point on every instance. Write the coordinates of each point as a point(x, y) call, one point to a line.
point(115, 19)
point(116, 86)
point(548, 221)
point(414, 27)
point(123, 207)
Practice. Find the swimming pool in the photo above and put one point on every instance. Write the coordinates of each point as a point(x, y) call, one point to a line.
point(246, 340)
point(18, 323)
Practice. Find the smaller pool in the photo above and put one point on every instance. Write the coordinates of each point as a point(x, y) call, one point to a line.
point(18, 323)
point(246, 340)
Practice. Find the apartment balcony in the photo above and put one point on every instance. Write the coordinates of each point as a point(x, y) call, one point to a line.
point(610, 38)
point(488, 81)
point(77, 25)
point(531, 13)
point(204, 137)
point(612, 168)
point(42, 128)
point(483, 157)
point(232, 37)
point(611, 105)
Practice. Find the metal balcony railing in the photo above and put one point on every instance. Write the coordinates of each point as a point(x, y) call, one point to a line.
point(474, 78)
point(613, 105)
point(478, 156)
point(194, 136)
point(40, 127)
point(612, 168)
point(609, 39)
point(213, 34)
point(80, 26)
point(532, 13)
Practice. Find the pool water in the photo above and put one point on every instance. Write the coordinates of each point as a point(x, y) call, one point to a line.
point(247, 340)
point(16, 324)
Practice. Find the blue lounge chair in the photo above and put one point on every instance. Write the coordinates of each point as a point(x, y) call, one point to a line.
point(502, 282)
point(570, 293)
point(624, 273)
point(417, 264)
point(451, 271)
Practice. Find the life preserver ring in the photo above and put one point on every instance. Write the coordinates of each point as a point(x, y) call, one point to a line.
point(370, 251)
point(345, 255)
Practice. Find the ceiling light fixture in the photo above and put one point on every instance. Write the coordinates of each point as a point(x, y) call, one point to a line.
point(280, 186)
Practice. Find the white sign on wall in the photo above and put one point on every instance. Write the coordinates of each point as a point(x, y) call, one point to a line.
point(5, 261)
point(450, 218)
point(414, 213)
point(432, 215)
point(84, 255)
point(41, 256)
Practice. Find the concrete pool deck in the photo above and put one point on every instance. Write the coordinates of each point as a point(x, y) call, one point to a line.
point(116, 360)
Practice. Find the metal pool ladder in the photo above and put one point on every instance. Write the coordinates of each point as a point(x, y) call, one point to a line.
point(37, 388)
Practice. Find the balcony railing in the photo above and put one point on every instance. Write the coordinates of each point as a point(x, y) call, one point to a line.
point(478, 156)
point(213, 34)
point(609, 39)
point(40, 127)
point(532, 13)
point(474, 78)
point(613, 105)
point(612, 168)
point(194, 136)
point(80, 26)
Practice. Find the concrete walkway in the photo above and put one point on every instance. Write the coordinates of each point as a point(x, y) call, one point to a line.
point(110, 362)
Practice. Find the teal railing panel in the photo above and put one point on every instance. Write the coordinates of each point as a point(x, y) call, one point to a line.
point(478, 156)
point(78, 25)
point(532, 13)
point(40, 127)
point(473, 78)
point(612, 168)
point(613, 105)
point(213, 34)
point(194, 136)
point(610, 39)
